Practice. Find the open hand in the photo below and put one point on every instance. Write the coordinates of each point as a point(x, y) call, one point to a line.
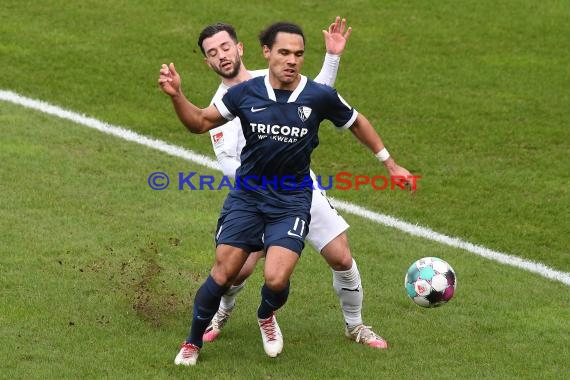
point(169, 80)
point(337, 36)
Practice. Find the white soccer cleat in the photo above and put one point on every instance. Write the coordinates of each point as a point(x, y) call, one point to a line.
point(365, 335)
point(271, 336)
point(215, 327)
point(188, 354)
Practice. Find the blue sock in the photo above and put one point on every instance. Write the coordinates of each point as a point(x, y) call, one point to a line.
point(206, 304)
point(271, 301)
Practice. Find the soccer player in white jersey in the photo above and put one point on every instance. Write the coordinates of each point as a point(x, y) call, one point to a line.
point(327, 231)
point(272, 210)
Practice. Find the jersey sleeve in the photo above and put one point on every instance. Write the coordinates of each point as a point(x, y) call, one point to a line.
point(225, 141)
point(327, 76)
point(228, 105)
point(338, 111)
point(219, 93)
point(223, 109)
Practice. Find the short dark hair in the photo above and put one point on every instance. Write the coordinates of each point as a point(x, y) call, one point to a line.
point(267, 36)
point(216, 28)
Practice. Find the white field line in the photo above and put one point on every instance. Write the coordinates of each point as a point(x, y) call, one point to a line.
point(383, 219)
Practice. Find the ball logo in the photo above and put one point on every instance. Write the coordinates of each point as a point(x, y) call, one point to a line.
point(422, 287)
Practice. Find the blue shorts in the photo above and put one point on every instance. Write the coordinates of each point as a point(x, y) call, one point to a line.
point(253, 222)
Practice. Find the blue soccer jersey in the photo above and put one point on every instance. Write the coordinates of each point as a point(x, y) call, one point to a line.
point(281, 131)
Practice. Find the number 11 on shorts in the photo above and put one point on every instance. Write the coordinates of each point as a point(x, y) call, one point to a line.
point(298, 228)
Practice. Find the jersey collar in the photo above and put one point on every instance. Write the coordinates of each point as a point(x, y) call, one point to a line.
point(294, 95)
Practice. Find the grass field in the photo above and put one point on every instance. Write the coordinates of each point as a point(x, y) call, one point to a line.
point(98, 272)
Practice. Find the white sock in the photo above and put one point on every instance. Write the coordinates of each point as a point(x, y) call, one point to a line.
point(229, 298)
point(349, 290)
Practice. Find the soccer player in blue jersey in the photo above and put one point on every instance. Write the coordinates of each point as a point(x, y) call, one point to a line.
point(269, 208)
point(328, 230)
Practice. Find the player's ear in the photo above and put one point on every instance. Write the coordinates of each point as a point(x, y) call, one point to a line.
point(266, 51)
point(207, 63)
point(240, 48)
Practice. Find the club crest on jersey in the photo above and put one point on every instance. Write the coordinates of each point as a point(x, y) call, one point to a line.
point(218, 138)
point(304, 112)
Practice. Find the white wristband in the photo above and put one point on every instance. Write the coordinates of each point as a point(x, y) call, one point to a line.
point(383, 155)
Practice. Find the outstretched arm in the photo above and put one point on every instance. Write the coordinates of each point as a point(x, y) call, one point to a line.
point(335, 41)
point(365, 133)
point(197, 120)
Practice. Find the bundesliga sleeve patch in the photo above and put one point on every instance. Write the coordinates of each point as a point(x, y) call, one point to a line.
point(218, 138)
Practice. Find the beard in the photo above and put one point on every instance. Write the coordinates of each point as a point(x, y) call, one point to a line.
point(236, 66)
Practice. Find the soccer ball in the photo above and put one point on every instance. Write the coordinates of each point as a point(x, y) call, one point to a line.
point(430, 282)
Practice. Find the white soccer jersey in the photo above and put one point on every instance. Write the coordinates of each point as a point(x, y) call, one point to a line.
point(228, 140)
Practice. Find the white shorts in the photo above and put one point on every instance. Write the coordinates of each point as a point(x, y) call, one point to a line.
point(326, 224)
